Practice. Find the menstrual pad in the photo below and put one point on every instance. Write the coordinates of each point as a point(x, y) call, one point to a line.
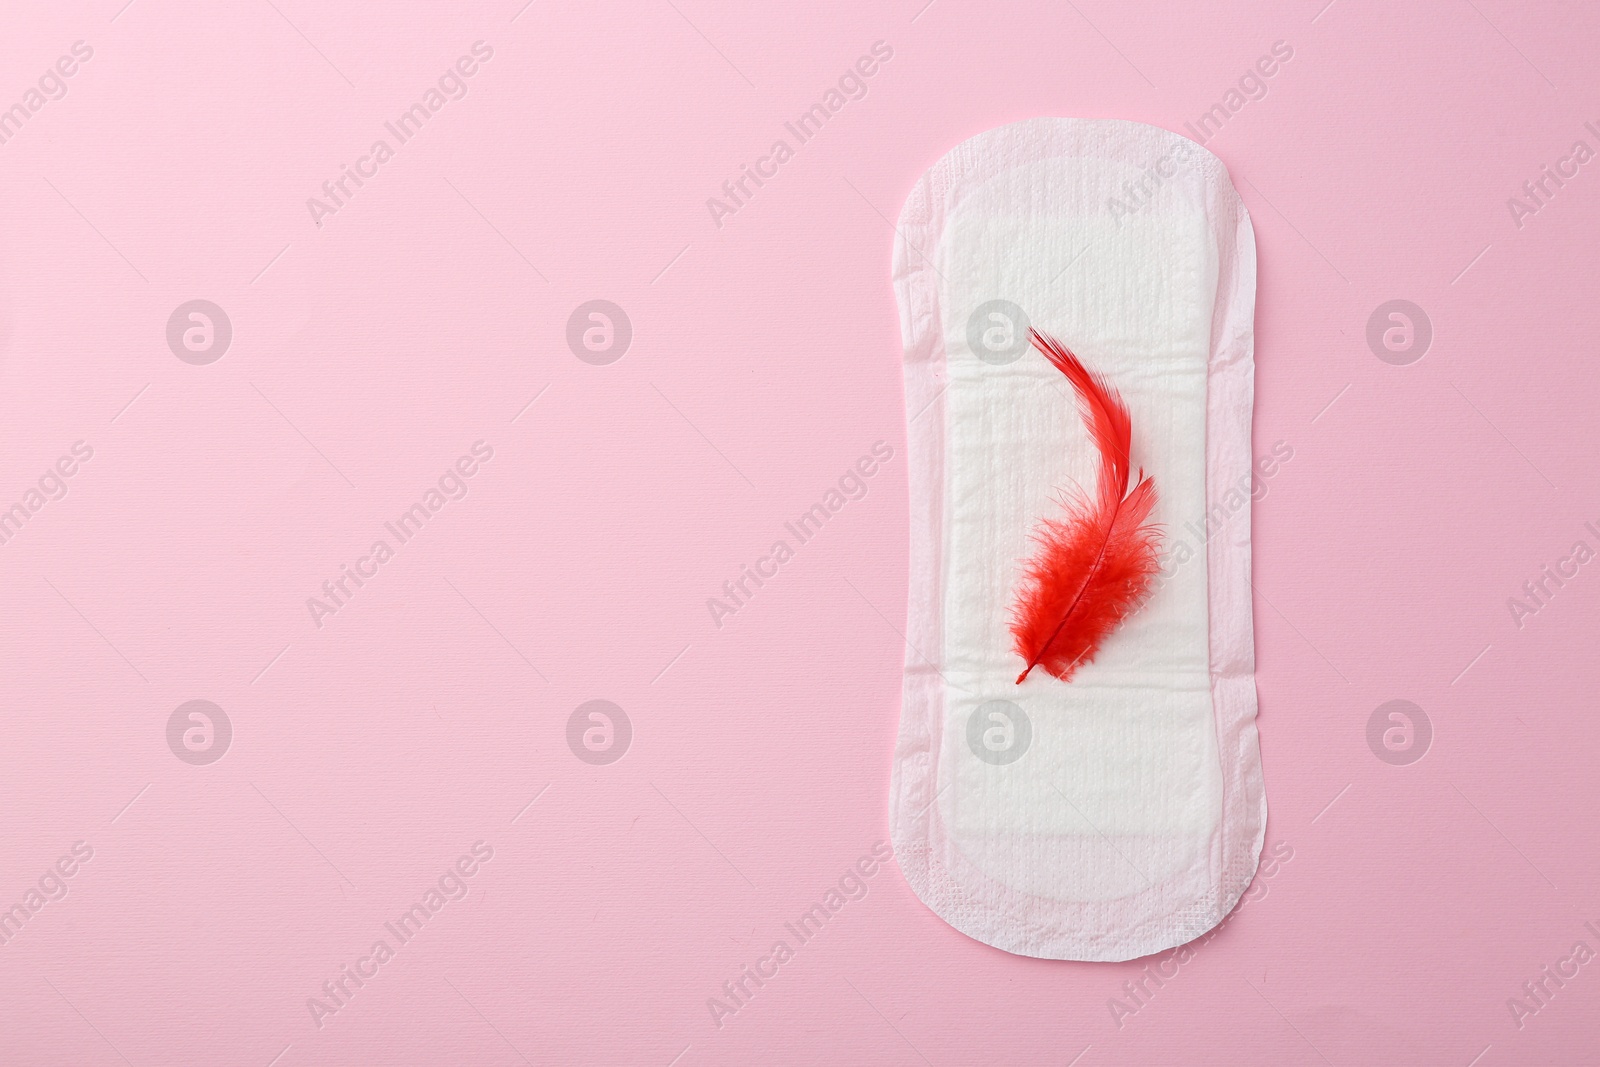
point(1122, 812)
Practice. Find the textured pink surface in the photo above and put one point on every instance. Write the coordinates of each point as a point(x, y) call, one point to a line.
point(368, 355)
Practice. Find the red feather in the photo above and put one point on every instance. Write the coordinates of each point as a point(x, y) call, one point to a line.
point(1094, 566)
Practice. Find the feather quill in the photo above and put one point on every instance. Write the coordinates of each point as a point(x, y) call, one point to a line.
point(1095, 565)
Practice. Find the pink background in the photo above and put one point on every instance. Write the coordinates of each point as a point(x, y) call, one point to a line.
point(368, 354)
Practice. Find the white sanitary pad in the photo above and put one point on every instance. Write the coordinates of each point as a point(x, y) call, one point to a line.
point(1120, 813)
